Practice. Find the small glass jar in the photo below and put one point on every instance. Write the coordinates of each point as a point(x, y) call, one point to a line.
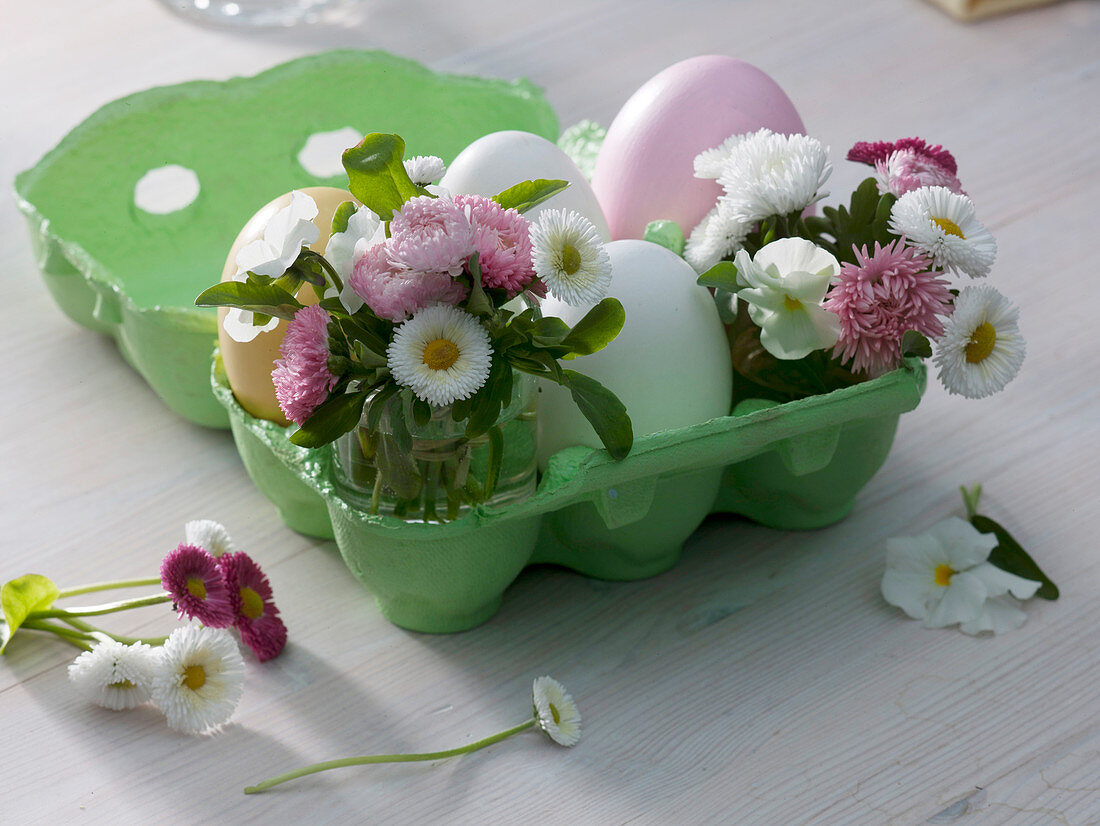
point(444, 474)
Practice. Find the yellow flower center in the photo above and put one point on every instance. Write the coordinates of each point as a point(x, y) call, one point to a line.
point(196, 587)
point(554, 713)
point(122, 684)
point(440, 354)
point(949, 226)
point(791, 304)
point(252, 604)
point(194, 677)
point(981, 343)
point(943, 574)
point(570, 259)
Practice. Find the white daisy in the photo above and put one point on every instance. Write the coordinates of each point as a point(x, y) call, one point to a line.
point(770, 174)
point(942, 223)
point(442, 354)
point(199, 678)
point(943, 577)
point(289, 229)
point(710, 162)
point(425, 169)
point(557, 714)
point(981, 348)
point(714, 239)
point(786, 283)
point(570, 258)
point(114, 675)
point(209, 535)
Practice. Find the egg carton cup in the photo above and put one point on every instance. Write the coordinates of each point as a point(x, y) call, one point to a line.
point(797, 465)
point(229, 146)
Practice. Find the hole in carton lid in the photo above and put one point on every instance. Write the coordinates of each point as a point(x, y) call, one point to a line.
point(166, 189)
point(320, 156)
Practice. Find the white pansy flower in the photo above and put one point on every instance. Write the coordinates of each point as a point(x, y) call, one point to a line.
point(199, 678)
point(556, 712)
point(114, 675)
point(981, 348)
point(943, 224)
point(209, 535)
point(770, 174)
point(442, 354)
point(569, 257)
point(341, 246)
point(943, 577)
point(425, 169)
point(786, 283)
point(289, 229)
point(714, 239)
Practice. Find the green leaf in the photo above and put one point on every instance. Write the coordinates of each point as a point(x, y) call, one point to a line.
point(487, 402)
point(402, 437)
point(422, 412)
point(377, 176)
point(1010, 556)
point(880, 227)
point(722, 276)
point(597, 329)
point(548, 330)
point(331, 420)
point(864, 202)
point(915, 344)
point(527, 194)
point(398, 469)
point(19, 597)
point(477, 303)
point(604, 412)
point(266, 299)
point(342, 216)
point(666, 234)
point(378, 406)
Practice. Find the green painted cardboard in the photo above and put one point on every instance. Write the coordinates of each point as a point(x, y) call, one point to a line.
point(134, 275)
point(796, 466)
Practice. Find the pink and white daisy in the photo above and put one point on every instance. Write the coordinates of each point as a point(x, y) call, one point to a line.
point(906, 170)
point(255, 614)
point(430, 235)
point(198, 590)
point(879, 298)
point(396, 293)
point(872, 153)
point(302, 378)
point(503, 242)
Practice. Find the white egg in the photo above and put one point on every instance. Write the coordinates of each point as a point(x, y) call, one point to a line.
point(670, 365)
point(502, 159)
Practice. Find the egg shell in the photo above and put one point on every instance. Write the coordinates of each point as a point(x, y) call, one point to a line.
point(645, 170)
point(248, 365)
point(670, 363)
point(500, 160)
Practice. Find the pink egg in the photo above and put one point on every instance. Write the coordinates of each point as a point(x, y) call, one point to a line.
point(645, 170)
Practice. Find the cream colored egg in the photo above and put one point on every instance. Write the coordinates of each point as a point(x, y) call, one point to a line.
point(670, 364)
point(497, 161)
point(248, 365)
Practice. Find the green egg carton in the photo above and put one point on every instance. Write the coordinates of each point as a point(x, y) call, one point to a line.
point(134, 275)
point(797, 465)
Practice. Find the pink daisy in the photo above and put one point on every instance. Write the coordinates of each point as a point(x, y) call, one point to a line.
point(395, 293)
point(430, 235)
point(872, 153)
point(197, 586)
point(302, 378)
point(503, 241)
point(257, 618)
point(879, 298)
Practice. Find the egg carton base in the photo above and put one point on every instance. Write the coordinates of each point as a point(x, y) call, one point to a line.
point(797, 466)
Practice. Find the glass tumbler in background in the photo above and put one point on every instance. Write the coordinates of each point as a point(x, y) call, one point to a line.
point(262, 13)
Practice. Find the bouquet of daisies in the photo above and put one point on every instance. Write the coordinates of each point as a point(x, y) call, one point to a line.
point(429, 309)
point(832, 299)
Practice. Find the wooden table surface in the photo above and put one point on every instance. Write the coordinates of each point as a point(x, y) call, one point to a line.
point(761, 681)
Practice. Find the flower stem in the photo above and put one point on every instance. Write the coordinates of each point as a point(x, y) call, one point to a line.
point(108, 586)
point(99, 610)
point(388, 758)
point(77, 638)
point(91, 629)
point(971, 497)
